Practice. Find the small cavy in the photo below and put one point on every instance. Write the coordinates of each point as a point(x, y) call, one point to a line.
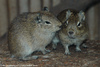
point(30, 32)
point(74, 29)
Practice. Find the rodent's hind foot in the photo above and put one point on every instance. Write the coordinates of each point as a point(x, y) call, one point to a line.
point(48, 51)
point(78, 49)
point(45, 51)
point(28, 58)
point(35, 57)
point(84, 45)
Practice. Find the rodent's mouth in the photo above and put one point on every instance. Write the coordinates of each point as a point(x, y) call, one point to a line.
point(72, 37)
point(58, 28)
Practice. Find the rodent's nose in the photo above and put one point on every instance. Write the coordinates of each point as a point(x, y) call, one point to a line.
point(60, 26)
point(71, 32)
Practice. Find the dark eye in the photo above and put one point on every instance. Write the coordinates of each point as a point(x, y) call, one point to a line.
point(66, 23)
point(47, 22)
point(79, 24)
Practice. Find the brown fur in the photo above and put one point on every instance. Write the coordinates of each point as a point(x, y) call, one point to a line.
point(80, 33)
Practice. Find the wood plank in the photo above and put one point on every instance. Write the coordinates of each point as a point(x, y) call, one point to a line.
point(93, 23)
point(35, 5)
point(99, 20)
point(56, 2)
point(23, 6)
point(3, 17)
point(12, 9)
point(96, 19)
point(46, 3)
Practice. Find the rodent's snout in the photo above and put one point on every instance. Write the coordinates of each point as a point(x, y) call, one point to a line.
point(70, 32)
point(60, 26)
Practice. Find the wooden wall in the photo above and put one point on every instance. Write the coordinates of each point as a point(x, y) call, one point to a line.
point(93, 19)
point(9, 9)
point(3, 17)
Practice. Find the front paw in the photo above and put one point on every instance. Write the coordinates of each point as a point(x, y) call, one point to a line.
point(67, 53)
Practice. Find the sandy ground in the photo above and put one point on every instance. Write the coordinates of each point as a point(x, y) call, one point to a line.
point(89, 57)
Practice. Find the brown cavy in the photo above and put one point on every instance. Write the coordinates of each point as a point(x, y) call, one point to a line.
point(30, 32)
point(74, 30)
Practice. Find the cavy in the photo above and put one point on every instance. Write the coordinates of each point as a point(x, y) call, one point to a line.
point(74, 29)
point(30, 32)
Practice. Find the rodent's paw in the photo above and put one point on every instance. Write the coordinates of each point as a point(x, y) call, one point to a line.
point(28, 58)
point(46, 51)
point(35, 57)
point(67, 53)
point(78, 49)
point(84, 45)
point(54, 46)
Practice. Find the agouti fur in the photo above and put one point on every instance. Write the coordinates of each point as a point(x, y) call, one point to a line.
point(74, 29)
point(30, 32)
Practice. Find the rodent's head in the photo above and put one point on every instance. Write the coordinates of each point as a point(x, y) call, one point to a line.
point(75, 24)
point(47, 21)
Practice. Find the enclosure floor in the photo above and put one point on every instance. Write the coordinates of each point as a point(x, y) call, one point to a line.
point(89, 57)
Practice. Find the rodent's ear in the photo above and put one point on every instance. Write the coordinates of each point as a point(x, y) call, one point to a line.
point(38, 18)
point(81, 15)
point(68, 13)
point(45, 9)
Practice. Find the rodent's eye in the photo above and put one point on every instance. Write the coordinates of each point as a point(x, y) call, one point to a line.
point(66, 23)
point(47, 22)
point(79, 24)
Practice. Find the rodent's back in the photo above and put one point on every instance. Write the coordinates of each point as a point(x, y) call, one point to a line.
point(27, 21)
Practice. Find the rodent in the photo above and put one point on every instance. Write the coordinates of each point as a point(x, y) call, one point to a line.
point(74, 29)
point(30, 32)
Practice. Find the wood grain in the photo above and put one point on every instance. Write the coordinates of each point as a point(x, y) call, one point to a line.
point(23, 6)
point(3, 17)
point(12, 7)
point(35, 5)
